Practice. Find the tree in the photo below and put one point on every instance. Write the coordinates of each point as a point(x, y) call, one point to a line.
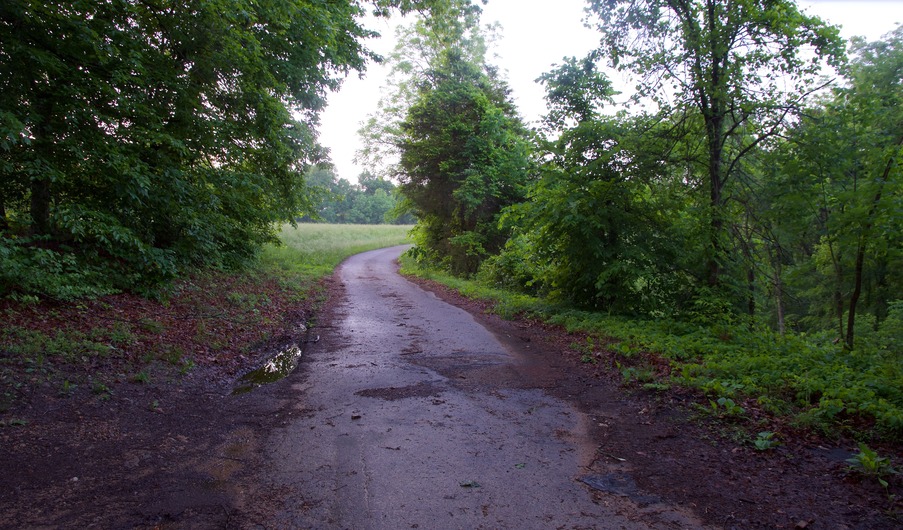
point(845, 155)
point(464, 157)
point(154, 136)
point(726, 60)
point(591, 229)
point(455, 24)
point(371, 201)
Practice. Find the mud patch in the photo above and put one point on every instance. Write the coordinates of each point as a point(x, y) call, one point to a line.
point(618, 484)
point(404, 392)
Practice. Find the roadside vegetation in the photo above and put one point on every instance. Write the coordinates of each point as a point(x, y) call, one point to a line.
point(735, 229)
point(748, 373)
point(212, 318)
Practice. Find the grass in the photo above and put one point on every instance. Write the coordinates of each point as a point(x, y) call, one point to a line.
point(208, 313)
point(804, 379)
point(313, 250)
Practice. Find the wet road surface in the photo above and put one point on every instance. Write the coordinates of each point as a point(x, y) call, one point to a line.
point(412, 415)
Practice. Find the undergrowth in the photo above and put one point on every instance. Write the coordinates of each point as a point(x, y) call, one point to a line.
point(198, 319)
point(806, 378)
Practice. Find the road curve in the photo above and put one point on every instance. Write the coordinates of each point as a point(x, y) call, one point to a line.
point(412, 415)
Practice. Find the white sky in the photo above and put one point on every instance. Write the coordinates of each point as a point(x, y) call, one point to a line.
point(535, 35)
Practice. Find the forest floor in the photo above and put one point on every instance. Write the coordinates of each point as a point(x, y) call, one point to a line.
point(119, 413)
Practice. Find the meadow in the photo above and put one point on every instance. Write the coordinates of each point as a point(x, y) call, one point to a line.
point(313, 250)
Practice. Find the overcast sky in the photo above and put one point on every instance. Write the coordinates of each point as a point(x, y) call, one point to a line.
point(535, 35)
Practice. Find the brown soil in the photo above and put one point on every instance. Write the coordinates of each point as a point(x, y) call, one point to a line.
point(677, 455)
point(146, 435)
point(178, 451)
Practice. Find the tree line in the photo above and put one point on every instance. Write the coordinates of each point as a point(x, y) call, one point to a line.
point(372, 201)
point(140, 139)
point(753, 179)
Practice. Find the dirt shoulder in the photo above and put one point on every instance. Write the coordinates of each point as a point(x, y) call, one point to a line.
point(133, 426)
point(173, 449)
point(655, 446)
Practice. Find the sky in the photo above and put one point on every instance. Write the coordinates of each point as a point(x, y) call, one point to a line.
point(535, 35)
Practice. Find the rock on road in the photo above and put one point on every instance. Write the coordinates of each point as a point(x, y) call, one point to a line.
point(413, 415)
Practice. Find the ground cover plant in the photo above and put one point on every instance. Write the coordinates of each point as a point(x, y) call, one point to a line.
point(799, 380)
point(213, 318)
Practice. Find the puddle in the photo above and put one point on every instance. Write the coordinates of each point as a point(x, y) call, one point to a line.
point(277, 367)
point(394, 393)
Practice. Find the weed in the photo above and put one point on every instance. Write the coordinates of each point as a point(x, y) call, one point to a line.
point(248, 301)
point(121, 333)
point(101, 390)
point(638, 374)
point(187, 366)
point(141, 377)
point(173, 355)
point(67, 388)
point(869, 463)
point(725, 406)
point(765, 441)
point(151, 326)
point(14, 422)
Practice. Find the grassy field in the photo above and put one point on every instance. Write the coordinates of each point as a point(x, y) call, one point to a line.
point(314, 249)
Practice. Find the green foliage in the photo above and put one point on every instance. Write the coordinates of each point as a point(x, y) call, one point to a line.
point(805, 376)
point(27, 268)
point(373, 200)
point(726, 75)
point(142, 139)
point(842, 164)
point(461, 150)
point(869, 463)
point(463, 158)
point(765, 441)
point(724, 406)
point(591, 231)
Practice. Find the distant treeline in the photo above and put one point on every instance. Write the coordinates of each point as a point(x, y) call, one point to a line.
point(371, 201)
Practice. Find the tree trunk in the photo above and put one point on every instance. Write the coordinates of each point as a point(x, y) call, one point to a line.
point(40, 206)
point(714, 131)
point(779, 302)
point(857, 291)
point(860, 250)
point(778, 284)
point(751, 287)
point(4, 224)
point(40, 187)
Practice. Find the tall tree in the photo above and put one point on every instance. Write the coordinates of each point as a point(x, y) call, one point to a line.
point(455, 24)
point(729, 61)
point(590, 229)
point(464, 157)
point(848, 153)
point(166, 134)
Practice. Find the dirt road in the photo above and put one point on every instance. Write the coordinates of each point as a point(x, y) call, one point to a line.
point(412, 413)
point(416, 416)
